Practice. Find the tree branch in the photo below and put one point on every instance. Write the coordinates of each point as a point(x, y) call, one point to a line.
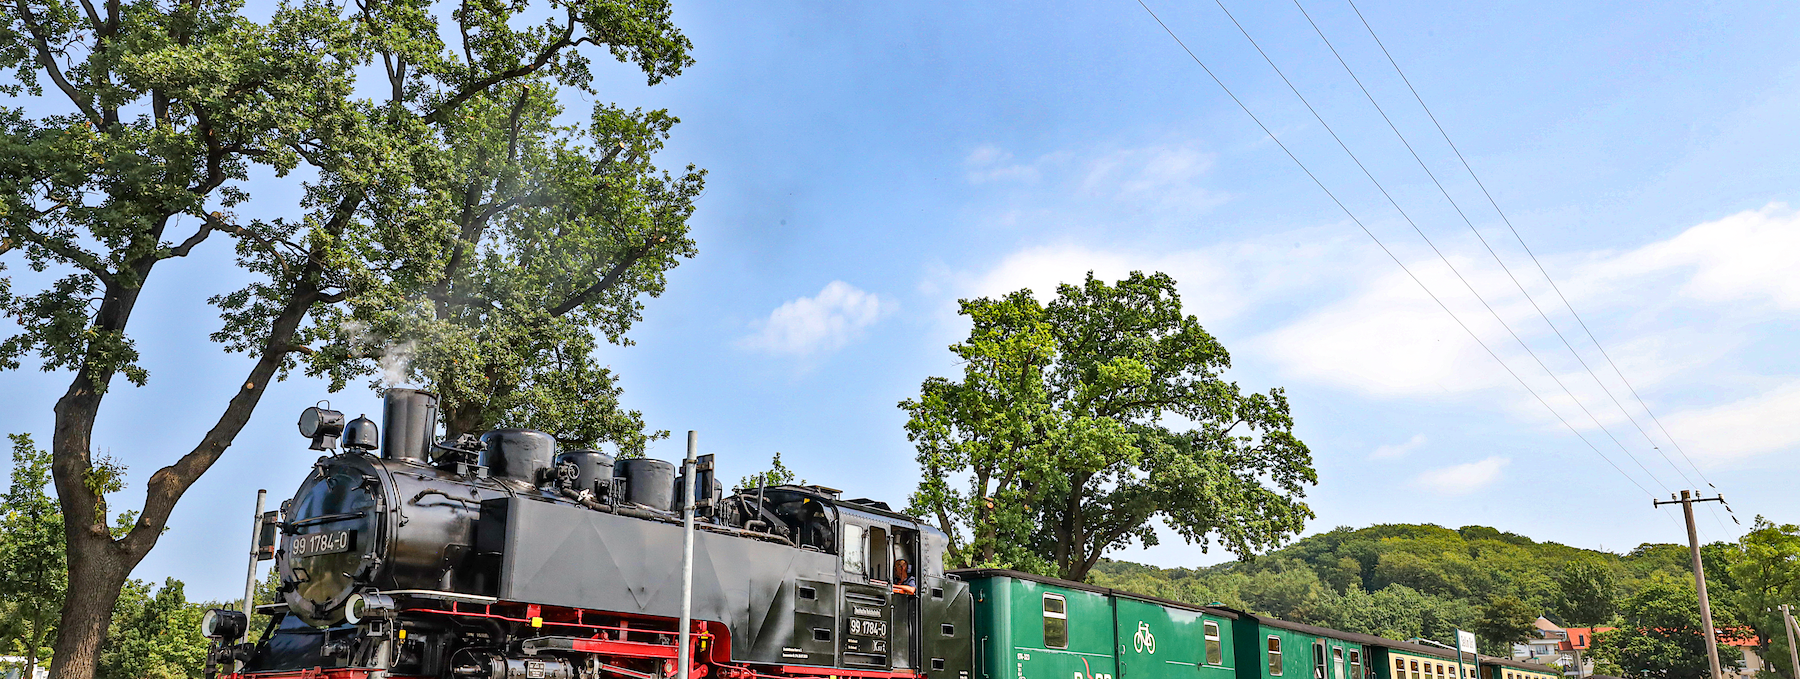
point(45, 59)
point(186, 246)
point(606, 282)
point(543, 59)
point(74, 255)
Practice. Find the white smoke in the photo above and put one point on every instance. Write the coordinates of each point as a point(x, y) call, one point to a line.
point(394, 358)
point(396, 362)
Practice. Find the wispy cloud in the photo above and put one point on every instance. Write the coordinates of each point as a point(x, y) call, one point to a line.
point(1390, 451)
point(1463, 479)
point(1763, 423)
point(824, 322)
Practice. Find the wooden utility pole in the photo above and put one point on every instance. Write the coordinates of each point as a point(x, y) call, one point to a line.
point(1687, 509)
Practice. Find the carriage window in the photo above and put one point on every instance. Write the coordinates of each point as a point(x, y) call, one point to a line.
point(1337, 662)
point(1415, 669)
point(1275, 656)
point(1215, 651)
point(855, 546)
point(1356, 670)
point(1318, 653)
point(1056, 621)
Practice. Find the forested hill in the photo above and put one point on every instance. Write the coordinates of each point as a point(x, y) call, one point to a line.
point(1404, 581)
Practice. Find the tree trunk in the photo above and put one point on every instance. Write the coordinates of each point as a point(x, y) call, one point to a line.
point(87, 612)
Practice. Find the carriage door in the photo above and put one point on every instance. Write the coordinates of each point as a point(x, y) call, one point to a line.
point(906, 606)
point(1318, 649)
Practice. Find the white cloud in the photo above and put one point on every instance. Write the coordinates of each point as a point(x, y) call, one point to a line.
point(989, 163)
point(1170, 178)
point(1748, 256)
point(1763, 423)
point(824, 322)
point(1464, 478)
point(1389, 451)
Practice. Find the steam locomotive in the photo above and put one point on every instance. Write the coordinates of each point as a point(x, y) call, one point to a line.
point(499, 557)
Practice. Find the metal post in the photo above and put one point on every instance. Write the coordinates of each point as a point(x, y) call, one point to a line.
point(1687, 501)
point(1787, 622)
point(687, 551)
point(250, 575)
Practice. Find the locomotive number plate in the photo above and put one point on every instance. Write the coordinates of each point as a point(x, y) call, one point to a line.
point(868, 628)
point(315, 544)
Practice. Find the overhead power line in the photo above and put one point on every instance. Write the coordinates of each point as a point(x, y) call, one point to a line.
point(1534, 259)
point(1486, 245)
point(1434, 248)
point(1384, 248)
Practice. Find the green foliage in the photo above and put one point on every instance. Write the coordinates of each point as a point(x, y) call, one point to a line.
point(33, 568)
point(776, 475)
point(1660, 634)
point(1406, 581)
point(1079, 422)
point(154, 635)
point(1587, 593)
point(1766, 574)
point(1503, 621)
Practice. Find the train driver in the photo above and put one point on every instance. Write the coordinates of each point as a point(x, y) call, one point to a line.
point(903, 578)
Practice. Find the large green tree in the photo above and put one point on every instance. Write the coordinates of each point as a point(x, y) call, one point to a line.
point(1503, 621)
point(1587, 593)
point(1659, 632)
point(155, 634)
point(443, 212)
point(1080, 422)
point(1766, 572)
point(33, 570)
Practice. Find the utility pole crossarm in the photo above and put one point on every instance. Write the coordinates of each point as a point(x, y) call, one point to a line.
point(1687, 501)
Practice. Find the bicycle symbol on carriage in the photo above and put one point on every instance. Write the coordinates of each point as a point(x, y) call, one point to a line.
point(1144, 641)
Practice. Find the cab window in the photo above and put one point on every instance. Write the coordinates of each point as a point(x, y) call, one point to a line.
point(1274, 656)
point(855, 549)
point(1215, 651)
point(1056, 621)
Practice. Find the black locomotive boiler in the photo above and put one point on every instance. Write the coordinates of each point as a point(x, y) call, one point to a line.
point(499, 557)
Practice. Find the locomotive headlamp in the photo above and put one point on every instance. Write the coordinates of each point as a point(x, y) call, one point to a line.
point(223, 624)
point(322, 425)
point(362, 606)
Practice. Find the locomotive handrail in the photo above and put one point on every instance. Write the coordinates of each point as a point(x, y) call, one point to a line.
point(440, 594)
point(447, 496)
point(326, 518)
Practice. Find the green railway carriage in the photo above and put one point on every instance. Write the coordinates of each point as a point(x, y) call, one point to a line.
point(1268, 648)
point(1507, 668)
point(1389, 659)
point(1033, 627)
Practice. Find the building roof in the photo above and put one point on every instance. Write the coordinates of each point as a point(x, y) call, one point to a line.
point(1544, 625)
point(1581, 638)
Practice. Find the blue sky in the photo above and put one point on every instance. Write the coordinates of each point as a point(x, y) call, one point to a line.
point(870, 164)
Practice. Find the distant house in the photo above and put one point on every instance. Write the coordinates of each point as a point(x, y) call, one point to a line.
point(13, 667)
point(1547, 647)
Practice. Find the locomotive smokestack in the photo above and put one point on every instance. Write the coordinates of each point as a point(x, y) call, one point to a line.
point(408, 425)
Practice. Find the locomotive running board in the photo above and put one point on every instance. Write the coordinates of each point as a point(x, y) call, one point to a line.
point(599, 646)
